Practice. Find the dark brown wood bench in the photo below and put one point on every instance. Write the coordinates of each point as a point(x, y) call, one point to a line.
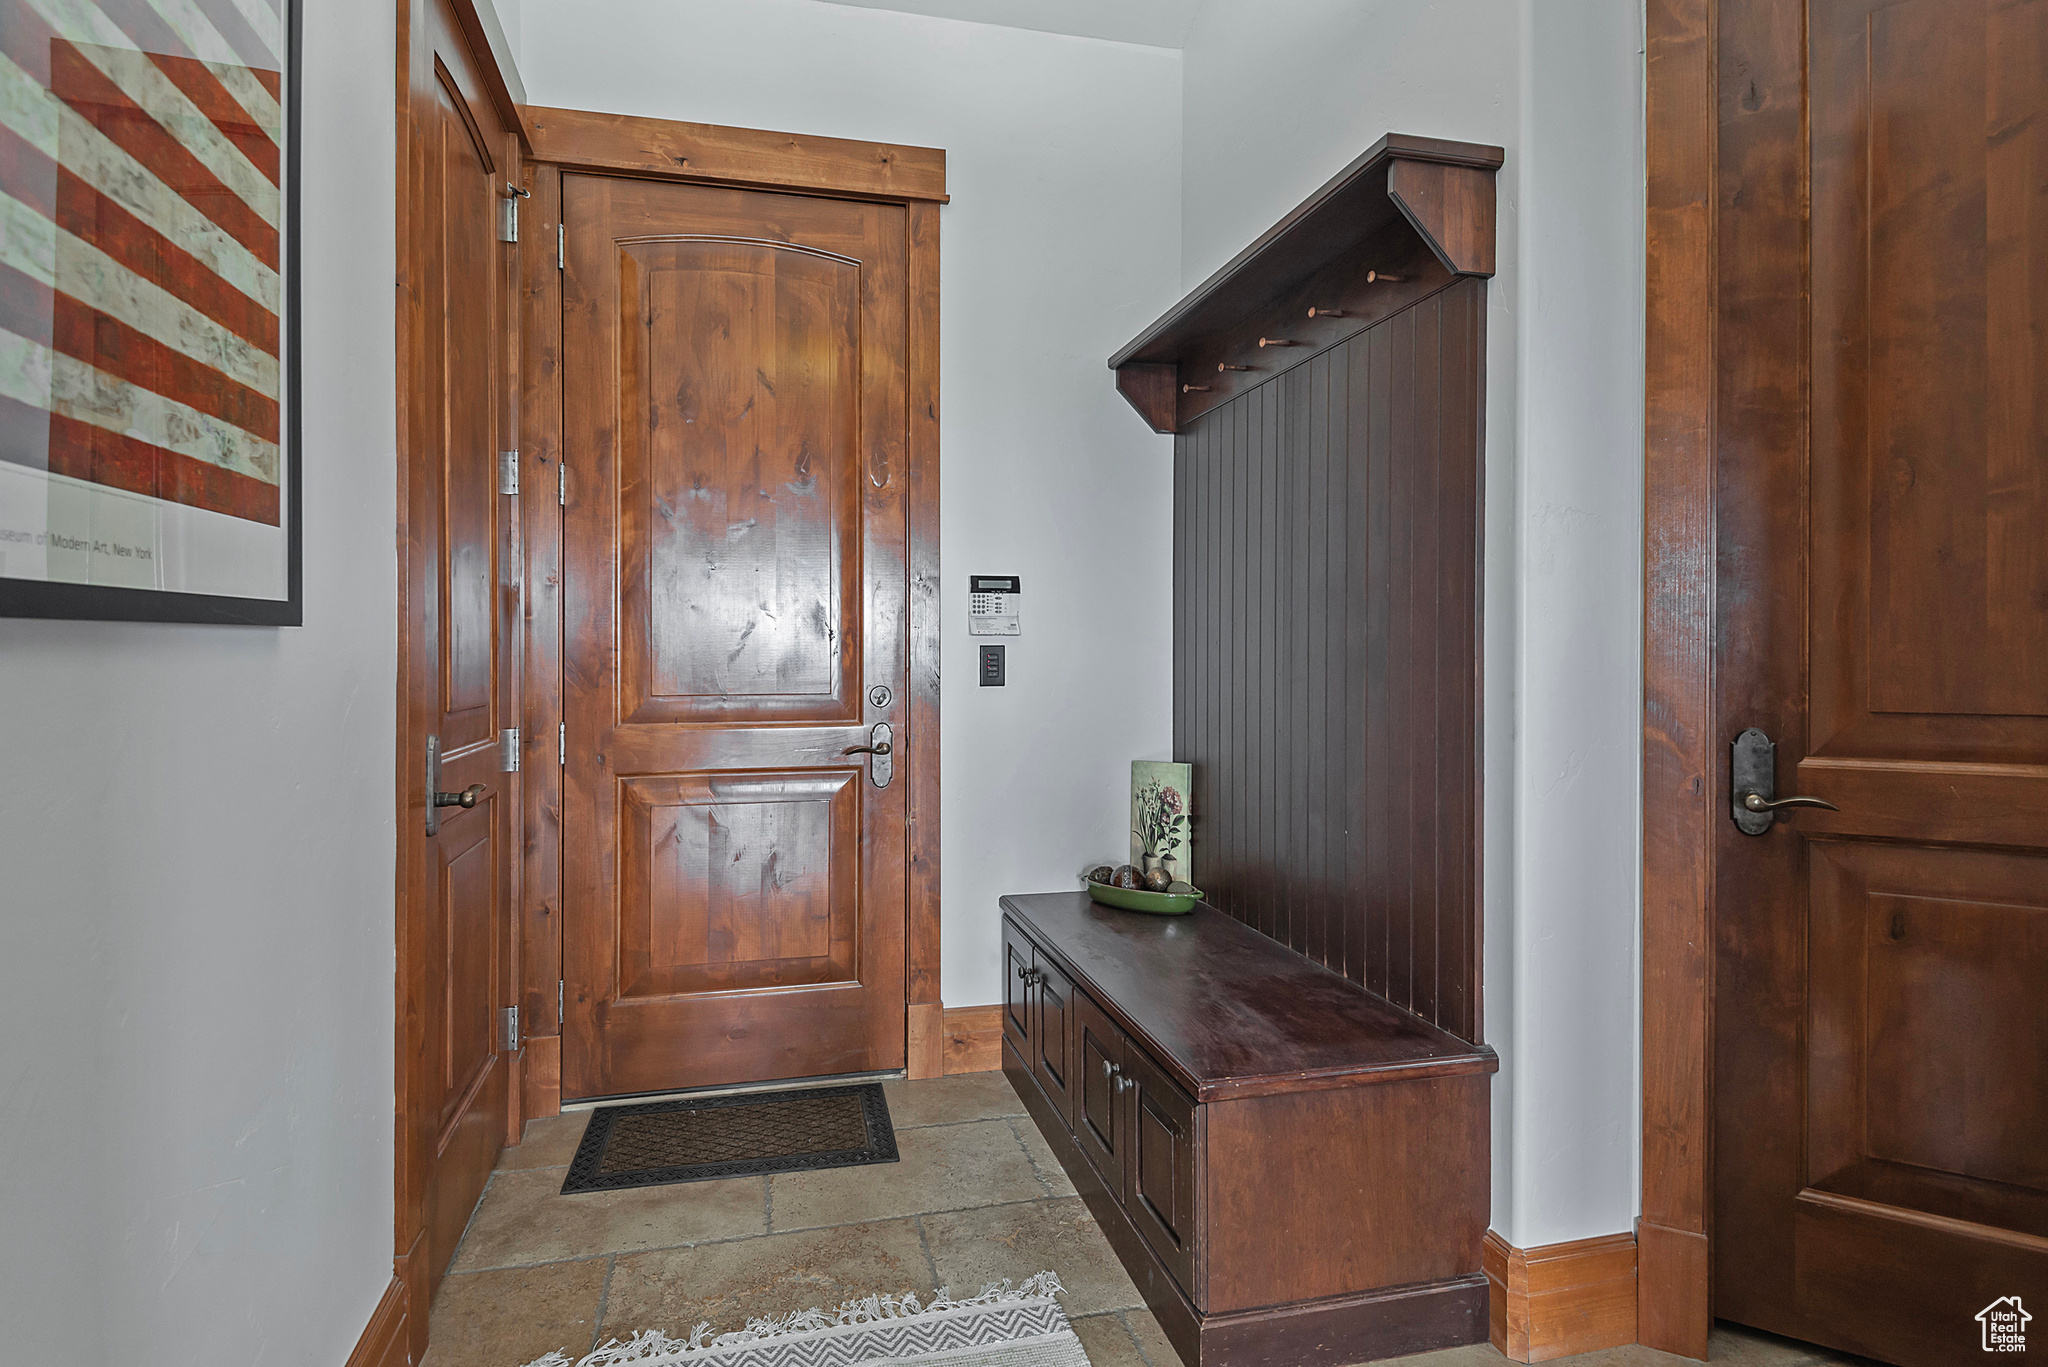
point(1294, 1170)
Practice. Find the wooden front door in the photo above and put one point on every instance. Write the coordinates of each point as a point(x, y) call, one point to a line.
point(1880, 1147)
point(735, 418)
point(461, 600)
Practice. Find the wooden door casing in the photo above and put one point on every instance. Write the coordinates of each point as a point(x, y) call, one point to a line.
point(459, 662)
point(736, 605)
point(1880, 1040)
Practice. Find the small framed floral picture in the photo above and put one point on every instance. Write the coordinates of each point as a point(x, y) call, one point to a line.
point(1160, 818)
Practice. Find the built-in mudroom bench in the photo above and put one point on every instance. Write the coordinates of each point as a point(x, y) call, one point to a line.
point(1293, 1169)
point(1277, 1106)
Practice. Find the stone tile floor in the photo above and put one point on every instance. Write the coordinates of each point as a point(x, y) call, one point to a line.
point(977, 1196)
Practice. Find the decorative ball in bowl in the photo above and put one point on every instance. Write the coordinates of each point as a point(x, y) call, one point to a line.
point(1125, 887)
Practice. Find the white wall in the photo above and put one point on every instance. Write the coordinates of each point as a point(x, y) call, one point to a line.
point(1062, 240)
point(1279, 97)
point(196, 855)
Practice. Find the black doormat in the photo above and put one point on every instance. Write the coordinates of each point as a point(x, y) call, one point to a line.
point(701, 1139)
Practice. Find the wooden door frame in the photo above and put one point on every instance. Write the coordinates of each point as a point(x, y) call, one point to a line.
point(568, 141)
point(1680, 754)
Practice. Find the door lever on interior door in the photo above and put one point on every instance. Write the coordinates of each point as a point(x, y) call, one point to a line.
point(1757, 802)
point(436, 799)
point(1753, 784)
point(879, 749)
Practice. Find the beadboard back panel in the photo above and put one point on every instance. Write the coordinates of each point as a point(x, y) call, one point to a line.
point(1327, 613)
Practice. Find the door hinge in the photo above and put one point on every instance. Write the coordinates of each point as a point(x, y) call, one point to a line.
point(508, 750)
point(561, 246)
point(508, 217)
point(510, 1016)
point(562, 744)
point(561, 1001)
point(562, 485)
point(508, 472)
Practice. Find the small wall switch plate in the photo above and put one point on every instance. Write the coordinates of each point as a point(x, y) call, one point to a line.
point(992, 666)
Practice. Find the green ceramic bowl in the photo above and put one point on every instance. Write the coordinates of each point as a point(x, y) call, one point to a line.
point(1137, 899)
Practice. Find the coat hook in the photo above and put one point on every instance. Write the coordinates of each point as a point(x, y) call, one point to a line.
point(1225, 365)
point(1276, 341)
point(1372, 276)
point(1326, 313)
point(1194, 389)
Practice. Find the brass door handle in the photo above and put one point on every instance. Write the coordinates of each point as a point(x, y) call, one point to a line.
point(1757, 802)
point(882, 749)
point(466, 798)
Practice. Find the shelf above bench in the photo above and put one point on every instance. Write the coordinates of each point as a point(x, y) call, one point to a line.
point(1399, 223)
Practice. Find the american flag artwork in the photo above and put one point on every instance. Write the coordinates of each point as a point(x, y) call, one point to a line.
point(143, 338)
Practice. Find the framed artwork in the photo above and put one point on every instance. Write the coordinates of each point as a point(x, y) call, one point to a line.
point(149, 388)
point(1162, 818)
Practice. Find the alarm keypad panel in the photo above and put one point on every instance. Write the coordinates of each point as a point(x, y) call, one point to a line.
point(993, 608)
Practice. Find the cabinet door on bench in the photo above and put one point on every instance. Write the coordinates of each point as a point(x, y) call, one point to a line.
point(1159, 1165)
point(1052, 1034)
point(1017, 953)
point(1100, 1092)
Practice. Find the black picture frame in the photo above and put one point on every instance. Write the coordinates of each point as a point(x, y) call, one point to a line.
point(96, 602)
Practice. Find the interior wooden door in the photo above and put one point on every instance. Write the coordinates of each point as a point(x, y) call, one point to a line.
point(736, 422)
point(1881, 1003)
point(461, 599)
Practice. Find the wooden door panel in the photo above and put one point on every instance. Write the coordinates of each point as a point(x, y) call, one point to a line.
point(1052, 1034)
point(1906, 1288)
point(1930, 382)
point(1159, 1158)
point(1017, 953)
point(470, 391)
point(736, 591)
point(740, 522)
point(1100, 1126)
point(1928, 1067)
point(731, 881)
point(466, 992)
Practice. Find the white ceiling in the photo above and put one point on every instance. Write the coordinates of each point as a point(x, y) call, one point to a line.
point(1159, 23)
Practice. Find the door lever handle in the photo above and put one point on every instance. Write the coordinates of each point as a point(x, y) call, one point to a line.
point(1753, 784)
point(466, 798)
point(1757, 802)
point(881, 744)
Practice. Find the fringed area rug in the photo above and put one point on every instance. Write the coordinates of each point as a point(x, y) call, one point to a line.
point(1002, 1327)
